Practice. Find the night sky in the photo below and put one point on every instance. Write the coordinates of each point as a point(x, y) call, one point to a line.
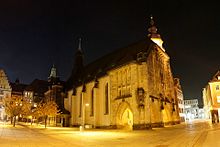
point(34, 35)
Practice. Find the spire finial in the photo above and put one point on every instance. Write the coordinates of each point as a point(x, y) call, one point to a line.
point(152, 29)
point(153, 34)
point(151, 20)
point(80, 47)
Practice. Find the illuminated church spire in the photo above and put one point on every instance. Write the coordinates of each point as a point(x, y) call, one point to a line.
point(53, 72)
point(79, 54)
point(153, 35)
point(80, 47)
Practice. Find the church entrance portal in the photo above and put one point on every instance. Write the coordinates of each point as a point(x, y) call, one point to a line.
point(125, 117)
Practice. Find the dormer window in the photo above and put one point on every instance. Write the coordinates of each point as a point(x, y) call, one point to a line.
point(141, 56)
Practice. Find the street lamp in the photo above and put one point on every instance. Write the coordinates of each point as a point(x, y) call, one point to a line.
point(84, 116)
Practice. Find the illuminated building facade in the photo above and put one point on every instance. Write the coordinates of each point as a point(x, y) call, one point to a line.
point(211, 98)
point(34, 92)
point(132, 87)
point(179, 95)
point(5, 92)
point(191, 109)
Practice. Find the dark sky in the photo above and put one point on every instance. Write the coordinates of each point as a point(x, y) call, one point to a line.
point(36, 34)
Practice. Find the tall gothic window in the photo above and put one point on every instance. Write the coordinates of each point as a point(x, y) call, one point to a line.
point(80, 105)
point(92, 103)
point(106, 99)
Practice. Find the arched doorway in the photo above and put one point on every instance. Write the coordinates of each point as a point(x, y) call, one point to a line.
point(127, 119)
point(124, 118)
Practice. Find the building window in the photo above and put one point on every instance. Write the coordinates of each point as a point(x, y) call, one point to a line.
point(217, 87)
point(80, 105)
point(92, 103)
point(218, 99)
point(106, 99)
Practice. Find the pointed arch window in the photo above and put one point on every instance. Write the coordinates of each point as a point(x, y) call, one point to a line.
point(80, 105)
point(92, 103)
point(106, 99)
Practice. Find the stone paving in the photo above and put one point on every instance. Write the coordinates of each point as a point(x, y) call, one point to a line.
point(184, 135)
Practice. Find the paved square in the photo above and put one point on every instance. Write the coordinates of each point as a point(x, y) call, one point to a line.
point(183, 135)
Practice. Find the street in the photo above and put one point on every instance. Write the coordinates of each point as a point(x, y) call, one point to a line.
point(200, 133)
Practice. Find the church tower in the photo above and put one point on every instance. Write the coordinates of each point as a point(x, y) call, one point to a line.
point(53, 78)
point(153, 34)
point(53, 72)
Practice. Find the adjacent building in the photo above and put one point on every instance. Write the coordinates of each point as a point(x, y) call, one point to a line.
point(34, 92)
point(17, 89)
point(132, 87)
point(211, 98)
point(56, 92)
point(191, 109)
point(5, 92)
point(179, 95)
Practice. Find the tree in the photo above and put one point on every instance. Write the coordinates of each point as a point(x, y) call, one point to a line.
point(16, 106)
point(46, 109)
point(26, 109)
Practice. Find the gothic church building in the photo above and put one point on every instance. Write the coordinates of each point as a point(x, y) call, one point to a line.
point(132, 87)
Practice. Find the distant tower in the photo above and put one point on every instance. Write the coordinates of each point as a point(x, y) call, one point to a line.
point(53, 78)
point(53, 72)
point(153, 35)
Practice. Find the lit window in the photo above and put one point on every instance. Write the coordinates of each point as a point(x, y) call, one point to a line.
point(217, 87)
point(218, 99)
point(218, 77)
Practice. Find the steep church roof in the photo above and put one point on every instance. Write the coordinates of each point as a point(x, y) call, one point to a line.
point(82, 74)
point(115, 59)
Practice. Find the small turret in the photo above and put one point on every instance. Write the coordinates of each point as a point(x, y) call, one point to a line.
point(153, 35)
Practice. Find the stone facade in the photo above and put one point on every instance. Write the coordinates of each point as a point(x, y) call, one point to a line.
point(179, 95)
point(5, 92)
point(131, 88)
